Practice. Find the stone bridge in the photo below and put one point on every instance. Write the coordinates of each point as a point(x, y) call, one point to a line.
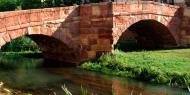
point(78, 33)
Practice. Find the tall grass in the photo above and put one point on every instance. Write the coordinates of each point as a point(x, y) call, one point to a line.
point(83, 91)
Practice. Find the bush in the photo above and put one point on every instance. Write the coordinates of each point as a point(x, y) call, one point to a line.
point(72, 2)
point(20, 44)
point(8, 5)
point(31, 4)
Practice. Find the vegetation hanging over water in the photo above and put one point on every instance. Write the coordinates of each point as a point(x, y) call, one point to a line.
point(20, 44)
point(163, 66)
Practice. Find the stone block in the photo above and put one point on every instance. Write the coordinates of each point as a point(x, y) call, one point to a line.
point(85, 23)
point(92, 41)
point(103, 41)
point(25, 25)
point(12, 21)
point(2, 25)
point(74, 27)
point(2, 34)
point(56, 35)
point(56, 13)
point(84, 41)
point(85, 10)
point(47, 14)
point(183, 33)
point(92, 36)
point(36, 23)
point(84, 55)
point(6, 37)
point(34, 30)
point(97, 23)
point(104, 9)
point(14, 27)
point(91, 54)
point(24, 18)
point(46, 31)
point(94, 47)
point(85, 31)
point(17, 33)
point(2, 42)
point(186, 12)
point(184, 42)
point(35, 17)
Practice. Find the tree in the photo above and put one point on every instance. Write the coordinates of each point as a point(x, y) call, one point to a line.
point(8, 5)
point(31, 4)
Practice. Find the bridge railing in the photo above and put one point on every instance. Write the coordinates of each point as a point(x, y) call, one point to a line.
point(161, 1)
point(183, 3)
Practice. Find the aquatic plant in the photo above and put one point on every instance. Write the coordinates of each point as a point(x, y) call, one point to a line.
point(83, 91)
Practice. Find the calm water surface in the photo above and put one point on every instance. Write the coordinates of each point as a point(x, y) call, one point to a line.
point(26, 74)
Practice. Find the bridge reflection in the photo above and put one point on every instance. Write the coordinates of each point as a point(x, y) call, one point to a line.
point(106, 85)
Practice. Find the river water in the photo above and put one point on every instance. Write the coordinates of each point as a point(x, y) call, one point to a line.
point(28, 75)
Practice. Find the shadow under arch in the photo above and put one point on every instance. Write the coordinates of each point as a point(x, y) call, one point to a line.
point(55, 52)
point(148, 34)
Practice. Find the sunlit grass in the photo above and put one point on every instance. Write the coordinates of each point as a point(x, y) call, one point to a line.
point(162, 66)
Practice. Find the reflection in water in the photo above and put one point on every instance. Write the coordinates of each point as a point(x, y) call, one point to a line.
point(26, 74)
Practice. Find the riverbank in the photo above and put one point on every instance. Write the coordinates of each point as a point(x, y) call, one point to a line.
point(169, 67)
point(23, 74)
point(7, 91)
point(28, 54)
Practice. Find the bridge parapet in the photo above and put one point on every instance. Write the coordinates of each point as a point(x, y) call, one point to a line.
point(143, 7)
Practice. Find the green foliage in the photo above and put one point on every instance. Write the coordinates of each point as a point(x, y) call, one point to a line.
point(20, 44)
point(8, 5)
point(165, 66)
point(29, 60)
point(31, 4)
point(94, 1)
point(57, 3)
point(128, 45)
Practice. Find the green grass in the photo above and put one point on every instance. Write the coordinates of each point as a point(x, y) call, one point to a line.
point(26, 54)
point(170, 67)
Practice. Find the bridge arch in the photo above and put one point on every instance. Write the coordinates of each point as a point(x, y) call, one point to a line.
point(148, 34)
point(52, 46)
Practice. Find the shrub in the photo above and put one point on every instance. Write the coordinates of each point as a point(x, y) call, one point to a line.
point(8, 5)
point(31, 4)
point(20, 44)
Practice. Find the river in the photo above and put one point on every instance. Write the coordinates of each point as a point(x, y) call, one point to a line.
point(28, 75)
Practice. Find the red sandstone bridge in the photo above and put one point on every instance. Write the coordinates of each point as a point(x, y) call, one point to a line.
point(78, 33)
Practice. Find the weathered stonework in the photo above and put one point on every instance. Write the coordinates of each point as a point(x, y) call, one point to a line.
point(78, 33)
point(55, 30)
point(185, 28)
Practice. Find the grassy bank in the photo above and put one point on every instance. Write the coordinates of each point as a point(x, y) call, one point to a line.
point(27, 54)
point(171, 67)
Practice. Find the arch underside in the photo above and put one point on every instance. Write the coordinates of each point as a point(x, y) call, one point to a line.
point(54, 49)
point(150, 34)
